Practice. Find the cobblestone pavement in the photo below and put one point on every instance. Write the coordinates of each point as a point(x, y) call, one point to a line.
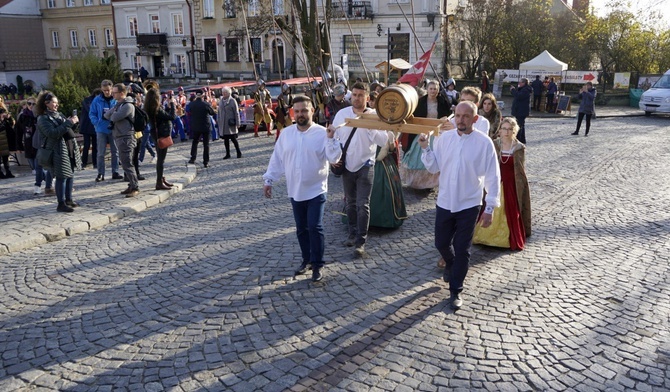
point(197, 293)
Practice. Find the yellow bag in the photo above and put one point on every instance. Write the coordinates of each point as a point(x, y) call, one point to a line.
point(498, 233)
point(138, 135)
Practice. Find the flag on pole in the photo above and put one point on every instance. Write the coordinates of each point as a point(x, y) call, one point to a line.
point(415, 74)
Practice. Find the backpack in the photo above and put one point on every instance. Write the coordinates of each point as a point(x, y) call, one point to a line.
point(140, 120)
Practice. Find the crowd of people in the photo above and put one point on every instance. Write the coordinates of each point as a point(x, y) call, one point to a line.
point(476, 160)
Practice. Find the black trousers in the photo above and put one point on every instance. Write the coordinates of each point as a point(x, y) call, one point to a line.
point(580, 117)
point(205, 144)
point(90, 141)
point(536, 101)
point(226, 141)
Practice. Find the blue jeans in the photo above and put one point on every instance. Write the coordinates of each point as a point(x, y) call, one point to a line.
point(453, 239)
point(146, 145)
point(103, 140)
point(64, 189)
point(308, 216)
point(41, 174)
point(357, 189)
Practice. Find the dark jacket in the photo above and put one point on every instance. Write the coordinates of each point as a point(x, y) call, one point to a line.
point(25, 129)
point(587, 106)
point(333, 106)
point(86, 127)
point(52, 126)
point(7, 137)
point(443, 107)
point(200, 112)
point(161, 123)
point(521, 103)
point(537, 86)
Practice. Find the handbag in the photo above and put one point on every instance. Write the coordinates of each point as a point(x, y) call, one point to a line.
point(45, 157)
point(340, 168)
point(232, 122)
point(165, 142)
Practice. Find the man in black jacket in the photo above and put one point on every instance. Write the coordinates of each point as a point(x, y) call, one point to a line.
point(201, 126)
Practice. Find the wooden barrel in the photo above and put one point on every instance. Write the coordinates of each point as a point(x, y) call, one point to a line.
point(397, 102)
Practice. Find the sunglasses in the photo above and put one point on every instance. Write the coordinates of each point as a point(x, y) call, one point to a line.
point(31, 103)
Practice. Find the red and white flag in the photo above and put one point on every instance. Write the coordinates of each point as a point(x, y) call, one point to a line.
point(415, 74)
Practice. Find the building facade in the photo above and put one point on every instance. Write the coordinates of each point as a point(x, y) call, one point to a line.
point(22, 51)
point(229, 52)
point(74, 28)
point(154, 34)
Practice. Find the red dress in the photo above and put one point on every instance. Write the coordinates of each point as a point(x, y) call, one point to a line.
point(517, 234)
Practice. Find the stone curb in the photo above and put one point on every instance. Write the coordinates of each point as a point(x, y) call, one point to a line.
point(94, 220)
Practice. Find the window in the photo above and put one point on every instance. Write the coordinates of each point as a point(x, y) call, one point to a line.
point(88, 2)
point(210, 50)
point(254, 8)
point(207, 9)
point(353, 56)
point(401, 46)
point(109, 37)
point(154, 23)
point(74, 42)
point(51, 3)
point(180, 62)
point(54, 39)
point(177, 24)
point(132, 26)
point(278, 7)
point(256, 50)
point(69, 3)
point(135, 61)
point(103, 2)
point(229, 9)
point(232, 50)
point(461, 51)
point(92, 40)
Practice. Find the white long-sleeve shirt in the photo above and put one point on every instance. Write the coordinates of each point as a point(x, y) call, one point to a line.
point(468, 164)
point(363, 145)
point(303, 156)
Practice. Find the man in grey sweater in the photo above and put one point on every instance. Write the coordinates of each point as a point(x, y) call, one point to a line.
point(122, 116)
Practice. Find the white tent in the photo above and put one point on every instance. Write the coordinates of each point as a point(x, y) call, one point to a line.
point(544, 62)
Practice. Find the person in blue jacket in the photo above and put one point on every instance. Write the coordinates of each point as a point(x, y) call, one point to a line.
point(521, 106)
point(537, 86)
point(103, 130)
point(586, 107)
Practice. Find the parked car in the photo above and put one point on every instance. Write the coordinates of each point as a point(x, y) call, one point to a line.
point(657, 98)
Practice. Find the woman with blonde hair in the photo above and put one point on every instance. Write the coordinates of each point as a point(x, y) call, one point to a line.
point(488, 108)
point(511, 221)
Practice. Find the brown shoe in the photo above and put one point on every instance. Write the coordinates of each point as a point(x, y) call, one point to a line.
point(162, 187)
point(127, 191)
point(133, 193)
point(49, 191)
point(167, 183)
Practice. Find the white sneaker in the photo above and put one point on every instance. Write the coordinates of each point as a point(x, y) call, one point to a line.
point(153, 159)
point(37, 190)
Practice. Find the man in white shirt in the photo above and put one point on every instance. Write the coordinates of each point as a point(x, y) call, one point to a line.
point(468, 164)
point(302, 153)
point(360, 159)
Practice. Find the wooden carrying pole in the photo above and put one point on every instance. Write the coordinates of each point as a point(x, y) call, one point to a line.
point(415, 125)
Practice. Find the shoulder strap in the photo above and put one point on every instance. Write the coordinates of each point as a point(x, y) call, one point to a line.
point(346, 145)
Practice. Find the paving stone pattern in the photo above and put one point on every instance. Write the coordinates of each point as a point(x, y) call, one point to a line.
point(197, 293)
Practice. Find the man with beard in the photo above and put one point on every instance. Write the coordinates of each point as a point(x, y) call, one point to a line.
point(359, 172)
point(302, 153)
point(468, 165)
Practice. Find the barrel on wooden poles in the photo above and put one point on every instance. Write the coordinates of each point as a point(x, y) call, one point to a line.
point(397, 102)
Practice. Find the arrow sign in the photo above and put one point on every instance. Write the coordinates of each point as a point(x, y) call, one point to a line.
point(589, 77)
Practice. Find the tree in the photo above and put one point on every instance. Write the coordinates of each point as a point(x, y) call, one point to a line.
point(69, 91)
point(481, 23)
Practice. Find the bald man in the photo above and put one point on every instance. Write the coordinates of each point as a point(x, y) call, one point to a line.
point(468, 165)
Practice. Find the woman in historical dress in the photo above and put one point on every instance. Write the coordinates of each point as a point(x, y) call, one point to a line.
point(387, 202)
point(511, 221)
point(412, 171)
point(489, 110)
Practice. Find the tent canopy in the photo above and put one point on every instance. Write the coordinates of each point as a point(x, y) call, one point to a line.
point(544, 62)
